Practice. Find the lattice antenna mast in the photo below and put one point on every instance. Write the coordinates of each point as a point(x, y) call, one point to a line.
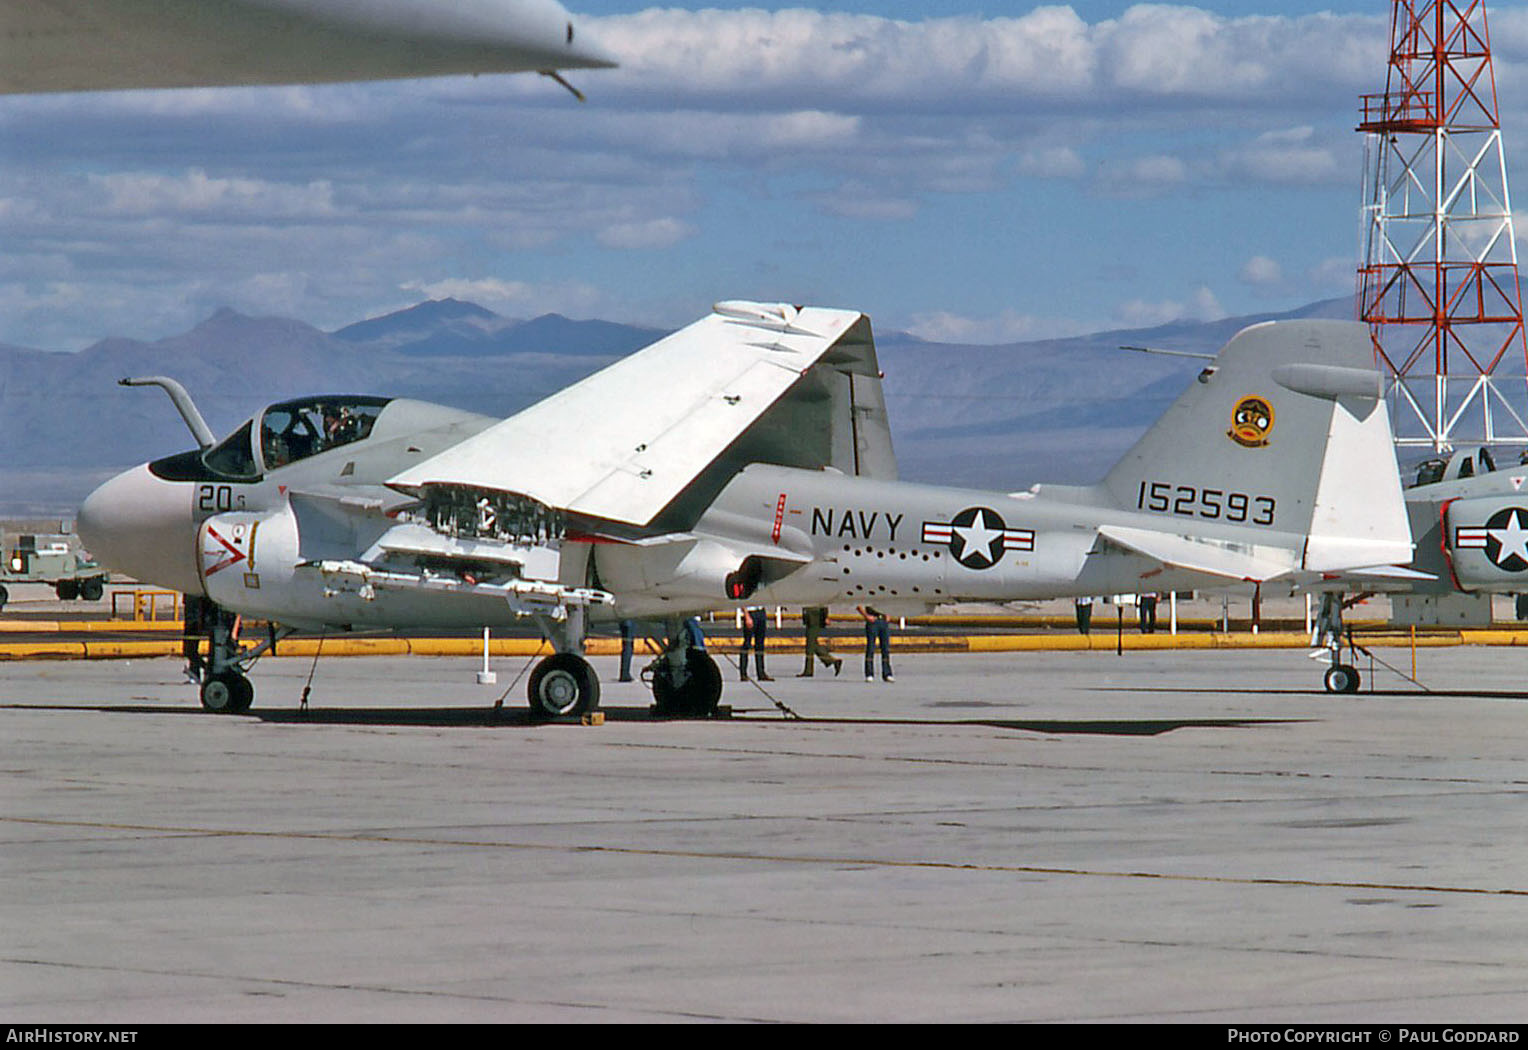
point(1438, 285)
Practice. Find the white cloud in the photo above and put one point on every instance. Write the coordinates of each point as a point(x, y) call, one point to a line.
point(1202, 305)
point(1291, 155)
point(652, 233)
point(1146, 176)
point(1010, 326)
point(782, 123)
point(857, 199)
point(1047, 56)
point(1261, 271)
point(149, 193)
point(1335, 275)
point(1051, 162)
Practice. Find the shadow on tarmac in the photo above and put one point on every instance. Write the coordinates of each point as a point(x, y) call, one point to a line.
point(517, 717)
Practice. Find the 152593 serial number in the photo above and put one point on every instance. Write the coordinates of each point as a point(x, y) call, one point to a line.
point(1190, 501)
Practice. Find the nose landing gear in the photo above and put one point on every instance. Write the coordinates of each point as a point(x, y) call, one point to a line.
point(225, 685)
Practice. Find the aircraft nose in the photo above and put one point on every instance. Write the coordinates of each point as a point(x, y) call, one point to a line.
point(142, 526)
point(585, 51)
point(561, 40)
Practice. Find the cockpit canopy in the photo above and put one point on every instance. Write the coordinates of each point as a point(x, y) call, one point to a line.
point(1465, 463)
point(288, 432)
point(295, 430)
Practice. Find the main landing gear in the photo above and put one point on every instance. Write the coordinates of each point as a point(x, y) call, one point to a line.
point(563, 684)
point(685, 680)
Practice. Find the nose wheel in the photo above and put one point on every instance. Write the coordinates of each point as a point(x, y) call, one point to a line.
point(225, 687)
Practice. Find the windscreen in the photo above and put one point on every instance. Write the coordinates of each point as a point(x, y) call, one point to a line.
point(233, 457)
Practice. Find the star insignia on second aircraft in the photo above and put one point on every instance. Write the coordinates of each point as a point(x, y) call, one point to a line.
point(1504, 538)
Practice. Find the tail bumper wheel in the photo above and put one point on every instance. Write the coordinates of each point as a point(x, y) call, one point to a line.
point(1341, 678)
point(563, 684)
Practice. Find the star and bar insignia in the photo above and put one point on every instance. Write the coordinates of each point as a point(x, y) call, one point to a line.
point(978, 537)
point(1504, 538)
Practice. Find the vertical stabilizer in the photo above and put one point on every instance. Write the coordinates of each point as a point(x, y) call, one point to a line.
point(1286, 430)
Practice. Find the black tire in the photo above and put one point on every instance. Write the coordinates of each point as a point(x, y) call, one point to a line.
point(1341, 678)
point(561, 685)
point(67, 590)
point(92, 589)
point(5, 596)
point(228, 693)
point(694, 697)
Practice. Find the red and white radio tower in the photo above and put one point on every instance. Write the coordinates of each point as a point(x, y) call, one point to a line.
point(1438, 285)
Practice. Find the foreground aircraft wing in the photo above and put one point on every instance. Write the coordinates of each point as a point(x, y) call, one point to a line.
point(100, 45)
point(625, 442)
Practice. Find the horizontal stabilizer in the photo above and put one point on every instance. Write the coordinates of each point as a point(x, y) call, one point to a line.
point(1391, 572)
point(1233, 561)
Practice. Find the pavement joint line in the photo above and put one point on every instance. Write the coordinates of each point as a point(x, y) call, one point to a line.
point(866, 862)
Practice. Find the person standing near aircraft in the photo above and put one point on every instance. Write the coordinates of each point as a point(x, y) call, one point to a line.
point(1084, 608)
point(814, 619)
point(755, 620)
point(877, 631)
point(628, 648)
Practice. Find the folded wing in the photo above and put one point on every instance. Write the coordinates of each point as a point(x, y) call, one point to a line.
point(624, 443)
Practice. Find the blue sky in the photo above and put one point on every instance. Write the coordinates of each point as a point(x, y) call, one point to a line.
point(978, 172)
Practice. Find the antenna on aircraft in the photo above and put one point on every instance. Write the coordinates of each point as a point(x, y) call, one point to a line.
point(564, 82)
point(1169, 353)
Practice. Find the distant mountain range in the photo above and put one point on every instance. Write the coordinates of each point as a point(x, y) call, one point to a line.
point(452, 328)
point(1059, 410)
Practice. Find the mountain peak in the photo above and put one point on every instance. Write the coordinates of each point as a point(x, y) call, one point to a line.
point(416, 322)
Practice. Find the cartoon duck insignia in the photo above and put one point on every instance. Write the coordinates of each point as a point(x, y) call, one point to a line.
point(1251, 420)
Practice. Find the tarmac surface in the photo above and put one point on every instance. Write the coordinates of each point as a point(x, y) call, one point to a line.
point(1048, 836)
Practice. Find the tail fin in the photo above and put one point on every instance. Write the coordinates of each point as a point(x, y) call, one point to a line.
point(1286, 430)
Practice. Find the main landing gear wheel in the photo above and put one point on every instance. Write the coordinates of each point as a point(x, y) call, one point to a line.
point(1341, 678)
point(691, 692)
point(563, 684)
point(227, 692)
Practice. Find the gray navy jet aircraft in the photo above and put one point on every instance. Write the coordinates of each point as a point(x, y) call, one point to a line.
point(1470, 520)
point(107, 45)
point(744, 459)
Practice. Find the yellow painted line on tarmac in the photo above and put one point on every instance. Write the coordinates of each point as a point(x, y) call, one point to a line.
point(1098, 641)
point(86, 626)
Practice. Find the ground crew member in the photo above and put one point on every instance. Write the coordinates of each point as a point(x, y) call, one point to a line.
point(877, 630)
point(815, 620)
point(754, 621)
